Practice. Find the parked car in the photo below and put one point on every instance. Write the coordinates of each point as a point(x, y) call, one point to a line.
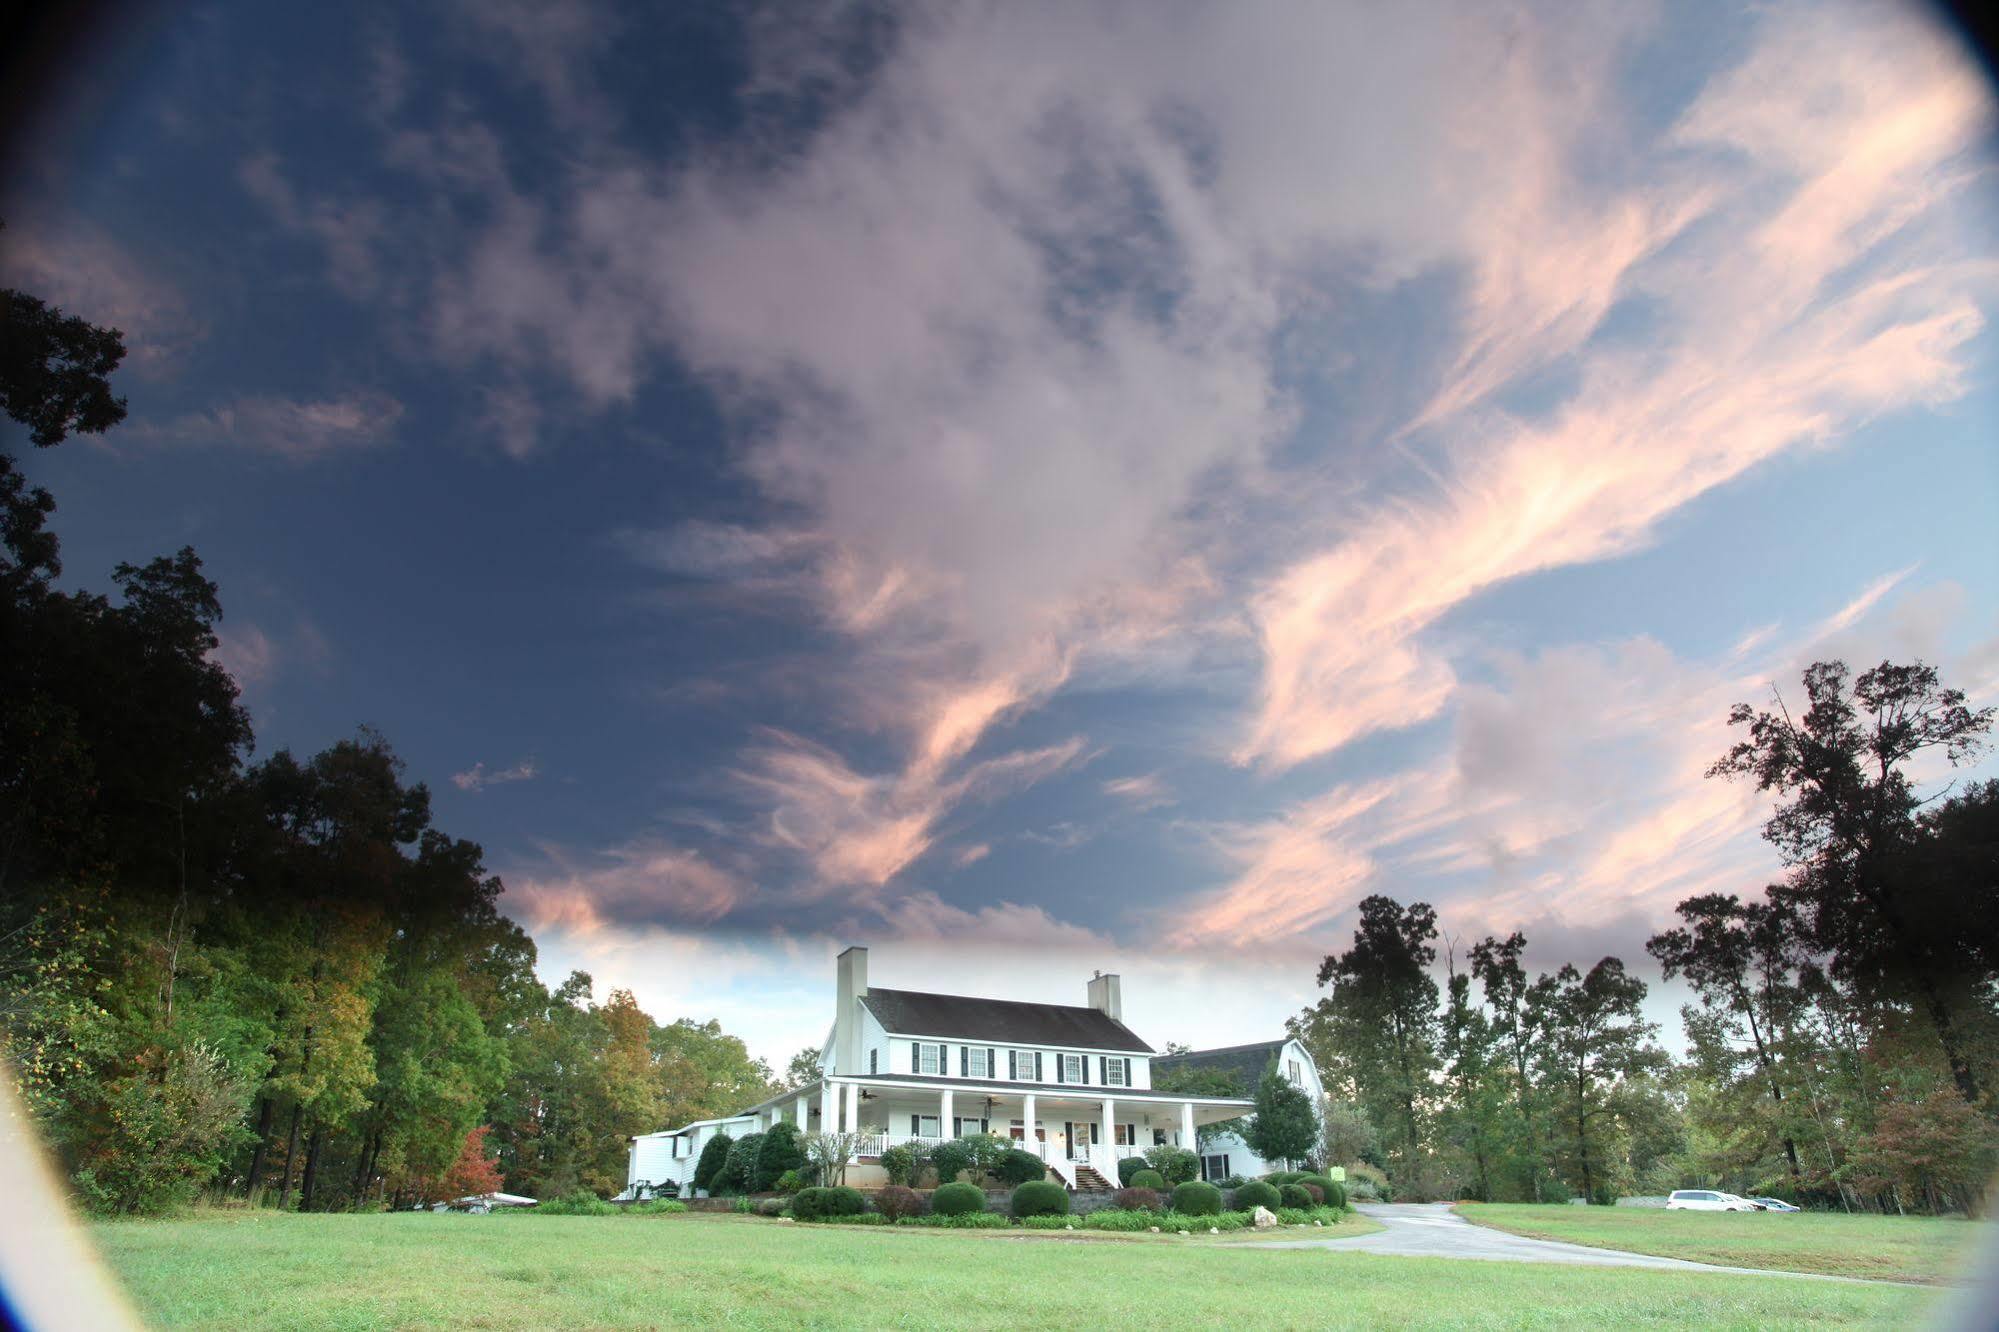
point(1708, 1200)
point(1776, 1205)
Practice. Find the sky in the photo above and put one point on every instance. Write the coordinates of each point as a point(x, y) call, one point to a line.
point(1040, 488)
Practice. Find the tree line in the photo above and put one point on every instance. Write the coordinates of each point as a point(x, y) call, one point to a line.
point(1844, 1030)
point(275, 979)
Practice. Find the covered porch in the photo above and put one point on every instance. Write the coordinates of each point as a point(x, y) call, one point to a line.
point(1081, 1134)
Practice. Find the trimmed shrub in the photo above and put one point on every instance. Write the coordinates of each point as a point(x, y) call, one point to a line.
point(1039, 1197)
point(1148, 1179)
point(789, 1182)
point(903, 1163)
point(1197, 1199)
point(713, 1157)
point(1294, 1196)
point(1128, 1166)
point(1336, 1193)
point(1256, 1193)
point(895, 1202)
point(777, 1153)
point(1176, 1165)
point(816, 1203)
point(1326, 1187)
point(957, 1199)
point(772, 1206)
point(1230, 1182)
point(739, 1173)
point(1019, 1167)
point(1312, 1191)
point(1137, 1199)
point(951, 1159)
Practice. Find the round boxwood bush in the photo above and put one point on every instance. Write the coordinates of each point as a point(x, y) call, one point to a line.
point(1137, 1198)
point(1148, 1179)
point(1294, 1195)
point(958, 1199)
point(1128, 1166)
point(1018, 1167)
point(895, 1202)
point(1195, 1198)
point(1336, 1193)
point(813, 1203)
point(1040, 1197)
point(1258, 1193)
point(1277, 1179)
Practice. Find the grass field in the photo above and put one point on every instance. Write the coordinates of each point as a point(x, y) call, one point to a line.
point(1886, 1248)
point(271, 1270)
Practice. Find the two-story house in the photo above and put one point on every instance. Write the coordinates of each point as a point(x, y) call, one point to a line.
point(1225, 1153)
point(1070, 1083)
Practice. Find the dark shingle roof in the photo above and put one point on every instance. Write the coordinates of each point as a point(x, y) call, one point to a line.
point(1246, 1062)
point(1002, 1021)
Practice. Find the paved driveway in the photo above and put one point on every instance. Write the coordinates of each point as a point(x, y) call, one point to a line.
point(1433, 1230)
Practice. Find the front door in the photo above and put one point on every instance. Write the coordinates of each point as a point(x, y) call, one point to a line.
point(1079, 1141)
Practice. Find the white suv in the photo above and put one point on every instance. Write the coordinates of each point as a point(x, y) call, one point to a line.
point(1708, 1200)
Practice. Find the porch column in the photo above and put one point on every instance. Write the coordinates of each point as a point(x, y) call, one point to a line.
point(944, 1118)
point(829, 1109)
point(1187, 1138)
point(1110, 1135)
point(1027, 1139)
point(801, 1110)
point(853, 1107)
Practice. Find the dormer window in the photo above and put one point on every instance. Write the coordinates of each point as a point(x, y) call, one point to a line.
point(1113, 1072)
point(928, 1058)
point(976, 1064)
point(1072, 1068)
point(1297, 1077)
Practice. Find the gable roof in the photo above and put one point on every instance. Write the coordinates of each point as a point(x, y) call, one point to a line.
point(1001, 1021)
point(1246, 1062)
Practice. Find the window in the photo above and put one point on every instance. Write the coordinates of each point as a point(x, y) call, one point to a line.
point(1214, 1167)
point(874, 1061)
point(1159, 1137)
point(1114, 1072)
point(927, 1058)
point(1072, 1068)
point(965, 1128)
point(975, 1063)
point(1297, 1077)
point(1127, 1135)
point(1024, 1066)
point(923, 1126)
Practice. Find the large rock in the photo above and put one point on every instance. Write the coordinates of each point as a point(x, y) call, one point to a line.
point(1264, 1218)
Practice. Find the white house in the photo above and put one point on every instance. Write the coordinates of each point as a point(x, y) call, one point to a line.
point(1072, 1084)
point(1225, 1153)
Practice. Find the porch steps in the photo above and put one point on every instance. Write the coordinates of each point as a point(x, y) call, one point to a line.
point(1087, 1178)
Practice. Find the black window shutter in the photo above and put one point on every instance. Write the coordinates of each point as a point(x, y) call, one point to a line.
point(1096, 1132)
point(1103, 1069)
point(992, 1062)
point(1013, 1065)
point(1127, 1072)
point(1037, 1065)
point(915, 1057)
point(915, 1125)
point(1061, 1075)
point(964, 1061)
point(1083, 1063)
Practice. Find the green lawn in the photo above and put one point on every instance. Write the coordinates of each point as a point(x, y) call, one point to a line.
point(1888, 1248)
point(268, 1270)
